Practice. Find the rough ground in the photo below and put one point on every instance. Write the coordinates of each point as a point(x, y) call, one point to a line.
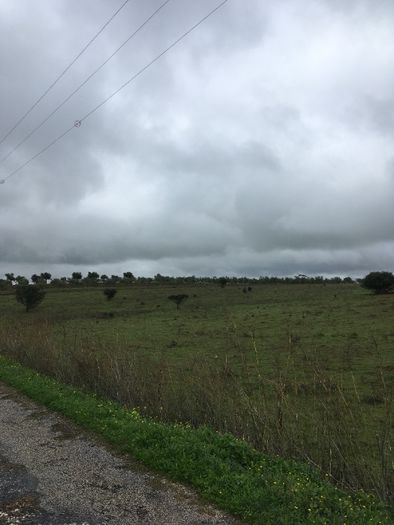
point(52, 473)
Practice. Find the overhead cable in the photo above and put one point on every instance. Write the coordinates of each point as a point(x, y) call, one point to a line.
point(48, 89)
point(80, 86)
point(78, 122)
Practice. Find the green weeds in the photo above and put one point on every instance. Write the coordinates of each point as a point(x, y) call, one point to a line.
point(228, 472)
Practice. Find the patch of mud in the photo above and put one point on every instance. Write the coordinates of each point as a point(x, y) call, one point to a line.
point(20, 500)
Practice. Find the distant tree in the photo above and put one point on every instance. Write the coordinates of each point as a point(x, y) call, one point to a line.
point(104, 277)
point(223, 281)
point(348, 280)
point(178, 299)
point(45, 276)
point(10, 277)
point(128, 276)
point(29, 295)
point(35, 278)
point(91, 279)
point(110, 293)
point(76, 276)
point(21, 280)
point(379, 282)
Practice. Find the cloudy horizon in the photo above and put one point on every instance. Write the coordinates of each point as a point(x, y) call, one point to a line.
point(262, 144)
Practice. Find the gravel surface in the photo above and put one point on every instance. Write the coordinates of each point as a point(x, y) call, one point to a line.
point(52, 473)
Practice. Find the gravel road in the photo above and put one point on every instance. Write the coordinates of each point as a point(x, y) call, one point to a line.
point(52, 473)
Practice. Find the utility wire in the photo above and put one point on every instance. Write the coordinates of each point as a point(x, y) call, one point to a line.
point(22, 118)
point(59, 106)
point(77, 123)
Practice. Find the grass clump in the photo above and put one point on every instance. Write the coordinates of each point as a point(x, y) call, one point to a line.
point(258, 488)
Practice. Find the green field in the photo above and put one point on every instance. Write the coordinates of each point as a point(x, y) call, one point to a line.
point(302, 371)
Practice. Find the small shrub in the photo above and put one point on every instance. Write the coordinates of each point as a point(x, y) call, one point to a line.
point(29, 295)
point(110, 293)
point(178, 299)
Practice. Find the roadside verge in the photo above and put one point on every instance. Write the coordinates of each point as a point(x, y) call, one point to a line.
point(259, 489)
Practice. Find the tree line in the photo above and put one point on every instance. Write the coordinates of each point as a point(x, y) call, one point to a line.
point(127, 278)
point(31, 295)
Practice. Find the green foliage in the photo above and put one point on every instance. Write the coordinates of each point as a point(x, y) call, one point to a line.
point(109, 293)
point(21, 280)
point(379, 282)
point(29, 295)
point(178, 299)
point(223, 281)
point(259, 489)
point(46, 276)
point(76, 276)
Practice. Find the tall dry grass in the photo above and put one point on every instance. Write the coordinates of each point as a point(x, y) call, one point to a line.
point(308, 416)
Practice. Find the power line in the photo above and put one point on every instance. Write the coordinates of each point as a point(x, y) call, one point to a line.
point(153, 61)
point(59, 106)
point(77, 123)
point(22, 118)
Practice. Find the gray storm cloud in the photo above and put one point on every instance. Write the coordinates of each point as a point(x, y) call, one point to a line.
point(263, 143)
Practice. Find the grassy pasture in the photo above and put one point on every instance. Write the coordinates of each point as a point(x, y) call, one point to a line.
point(303, 371)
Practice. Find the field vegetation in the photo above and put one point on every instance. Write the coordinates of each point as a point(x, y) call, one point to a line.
point(299, 371)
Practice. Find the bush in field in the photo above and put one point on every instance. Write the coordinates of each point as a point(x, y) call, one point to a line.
point(223, 281)
point(379, 282)
point(110, 293)
point(29, 295)
point(178, 299)
point(21, 280)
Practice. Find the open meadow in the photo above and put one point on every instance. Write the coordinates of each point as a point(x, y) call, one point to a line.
point(300, 370)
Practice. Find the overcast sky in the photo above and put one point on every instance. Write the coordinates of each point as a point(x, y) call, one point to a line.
point(261, 144)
